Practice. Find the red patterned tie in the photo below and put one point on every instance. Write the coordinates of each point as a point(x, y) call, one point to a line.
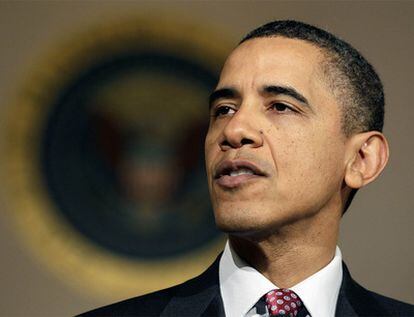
point(283, 301)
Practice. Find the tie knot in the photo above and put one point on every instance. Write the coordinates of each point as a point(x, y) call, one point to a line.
point(283, 302)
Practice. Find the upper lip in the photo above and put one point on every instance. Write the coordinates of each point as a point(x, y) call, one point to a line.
point(227, 166)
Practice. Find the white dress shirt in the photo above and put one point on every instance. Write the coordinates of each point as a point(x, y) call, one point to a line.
point(242, 286)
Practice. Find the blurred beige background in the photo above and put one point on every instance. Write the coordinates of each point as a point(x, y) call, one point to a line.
point(377, 233)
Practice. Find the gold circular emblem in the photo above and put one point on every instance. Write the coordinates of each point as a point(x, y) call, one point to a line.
point(104, 160)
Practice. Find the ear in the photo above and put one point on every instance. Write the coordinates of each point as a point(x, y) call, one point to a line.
point(368, 154)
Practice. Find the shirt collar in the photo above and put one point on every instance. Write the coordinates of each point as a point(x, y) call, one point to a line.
point(242, 286)
point(319, 292)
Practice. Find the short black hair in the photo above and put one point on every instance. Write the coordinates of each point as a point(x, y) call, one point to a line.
point(351, 77)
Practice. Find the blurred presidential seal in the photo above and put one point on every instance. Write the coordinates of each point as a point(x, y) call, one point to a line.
point(105, 156)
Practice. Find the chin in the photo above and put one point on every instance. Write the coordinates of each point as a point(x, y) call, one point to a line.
point(240, 222)
point(245, 221)
point(234, 228)
point(246, 232)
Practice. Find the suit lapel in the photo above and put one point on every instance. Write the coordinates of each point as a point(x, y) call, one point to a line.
point(206, 303)
point(343, 306)
point(215, 308)
point(199, 297)
point(354, 300)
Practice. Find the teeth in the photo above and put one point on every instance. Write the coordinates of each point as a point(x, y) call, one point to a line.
point(241, 172)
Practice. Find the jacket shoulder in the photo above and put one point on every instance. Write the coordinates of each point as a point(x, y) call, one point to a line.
point(393, 306)
point(150, 304)
point(153, 304)
point(368, 303)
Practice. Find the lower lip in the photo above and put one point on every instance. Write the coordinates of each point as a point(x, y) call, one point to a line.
point(230, 182)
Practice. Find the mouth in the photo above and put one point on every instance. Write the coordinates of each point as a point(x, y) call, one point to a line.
point(231, 174)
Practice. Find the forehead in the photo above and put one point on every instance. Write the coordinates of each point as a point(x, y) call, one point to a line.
point(257, 61)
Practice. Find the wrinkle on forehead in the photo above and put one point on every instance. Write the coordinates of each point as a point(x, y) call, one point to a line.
point(286, 62)
point(290, 60)
point(281, 61)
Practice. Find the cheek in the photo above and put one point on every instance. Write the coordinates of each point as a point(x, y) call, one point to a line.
point(209, 144)
point(307, 159)
point(211, 151)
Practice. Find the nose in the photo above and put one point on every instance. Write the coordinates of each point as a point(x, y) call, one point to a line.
point(241, 130)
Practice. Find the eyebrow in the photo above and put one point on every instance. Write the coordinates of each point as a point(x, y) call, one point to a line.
point(222, 93)
point(285, 90)
point(229, 92)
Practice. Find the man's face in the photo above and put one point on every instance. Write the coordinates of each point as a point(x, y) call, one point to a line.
point(274, 149)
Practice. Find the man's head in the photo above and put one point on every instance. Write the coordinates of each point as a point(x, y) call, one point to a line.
point(352, 79)
point(292, 130)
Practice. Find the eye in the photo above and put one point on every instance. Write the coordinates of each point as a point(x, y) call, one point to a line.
point(223, 110)
point(282, 107)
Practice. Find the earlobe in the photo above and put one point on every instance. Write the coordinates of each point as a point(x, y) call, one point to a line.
point(369, 154)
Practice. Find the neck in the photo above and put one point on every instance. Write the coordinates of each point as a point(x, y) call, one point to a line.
point(290, 254)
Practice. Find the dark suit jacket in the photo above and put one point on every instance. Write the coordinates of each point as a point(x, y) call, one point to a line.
point(200, 296)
